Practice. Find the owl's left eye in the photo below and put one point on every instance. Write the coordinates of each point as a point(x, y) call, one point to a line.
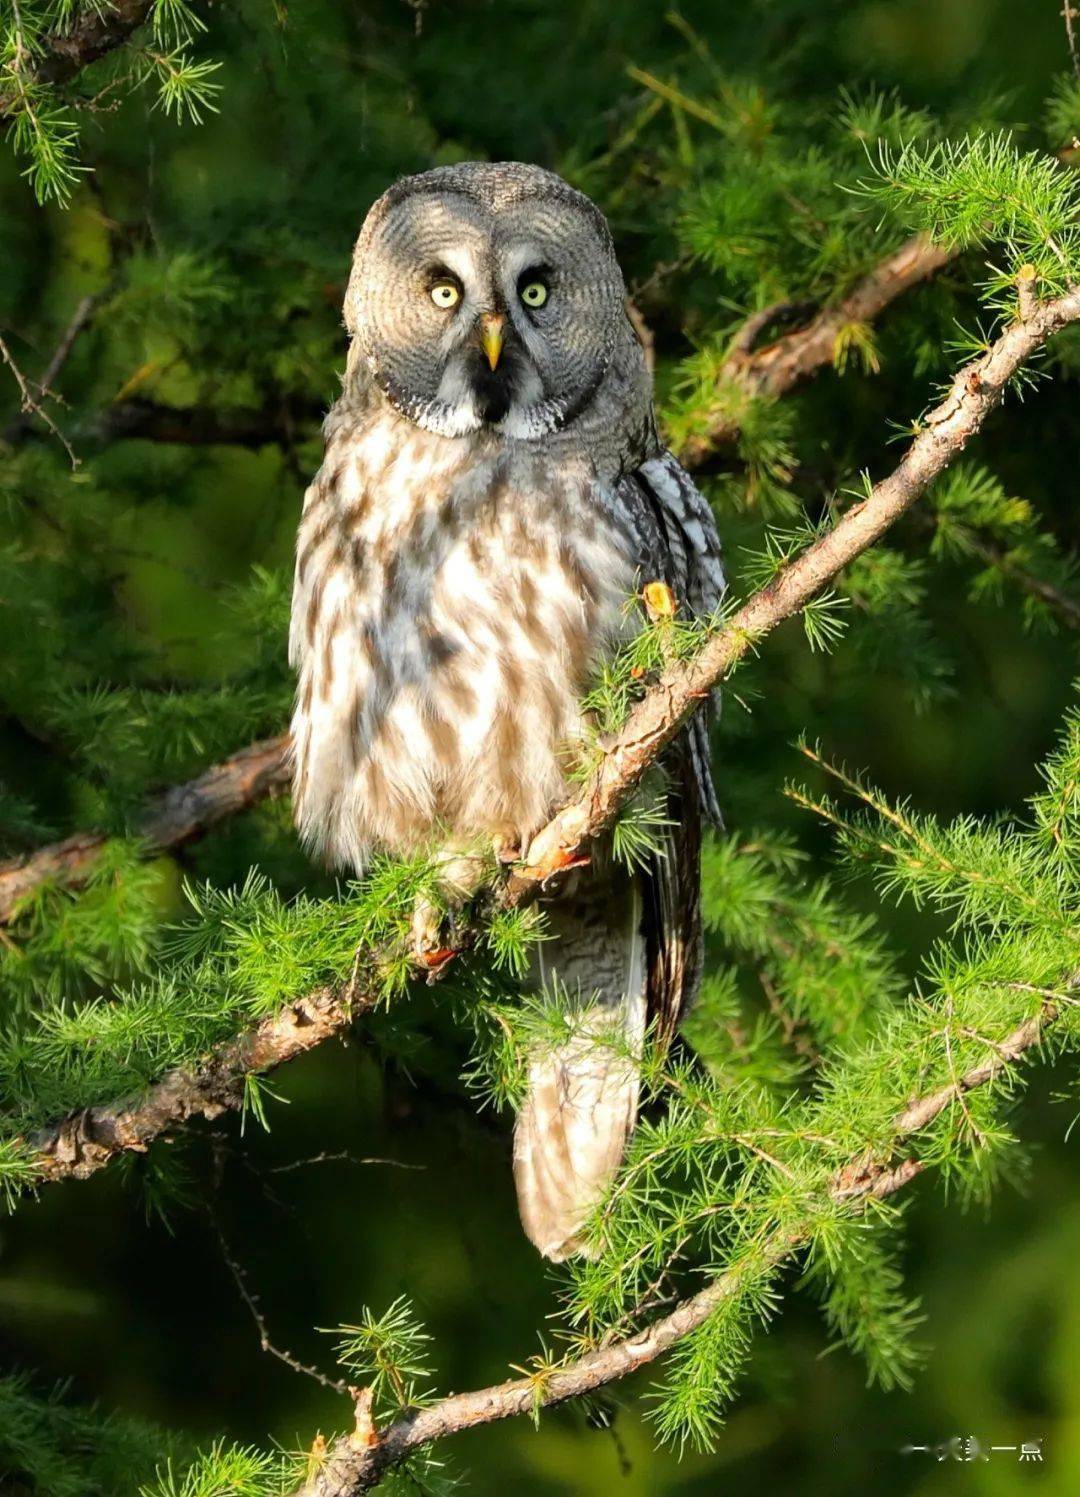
point(445, 294)
point(534, 293)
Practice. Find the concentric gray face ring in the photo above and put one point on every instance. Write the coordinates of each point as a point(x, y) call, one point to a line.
point(478, 220)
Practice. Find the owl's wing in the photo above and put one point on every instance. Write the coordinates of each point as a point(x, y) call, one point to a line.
point(687, 556)
point(683, 551)
point(637, 957)
point(689, 531)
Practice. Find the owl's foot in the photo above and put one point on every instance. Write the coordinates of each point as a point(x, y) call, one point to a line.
point(556, 849)
point(459, 875)
point(429, 950)
point(507, 848)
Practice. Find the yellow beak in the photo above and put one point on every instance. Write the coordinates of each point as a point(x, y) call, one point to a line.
point(491, 337)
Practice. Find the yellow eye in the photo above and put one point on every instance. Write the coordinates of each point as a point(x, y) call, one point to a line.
point(445, 295)
point(534, 293)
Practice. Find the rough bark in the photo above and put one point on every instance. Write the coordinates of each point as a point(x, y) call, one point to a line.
point(178, 815)
point(85, 1141)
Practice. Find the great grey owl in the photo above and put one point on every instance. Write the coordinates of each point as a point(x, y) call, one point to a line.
point(493, 492)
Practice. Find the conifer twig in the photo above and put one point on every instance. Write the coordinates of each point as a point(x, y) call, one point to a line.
point(774, 369)
point(253, 1303)
point(178, 815)
point(83, 1143)
point(32, 405)
point(348, 1470)
point(997, 557)
point(64, 53)
point(1067, 608)
point(60, 356)
point(1070, 13)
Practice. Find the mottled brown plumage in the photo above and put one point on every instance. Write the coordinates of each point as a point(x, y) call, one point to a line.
point(463, 564)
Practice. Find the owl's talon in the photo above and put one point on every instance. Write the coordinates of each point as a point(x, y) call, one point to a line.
point(559, 861)
point(434, 929)
point(434, 961)
point(506, 850)
point(425, 932)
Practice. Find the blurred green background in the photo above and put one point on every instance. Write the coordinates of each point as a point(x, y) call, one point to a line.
point(255, 212)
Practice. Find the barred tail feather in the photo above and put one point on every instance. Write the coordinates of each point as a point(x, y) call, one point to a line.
point(570, 1139)
point(582, 1097)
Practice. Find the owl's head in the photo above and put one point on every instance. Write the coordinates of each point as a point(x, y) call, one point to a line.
point(486, 294)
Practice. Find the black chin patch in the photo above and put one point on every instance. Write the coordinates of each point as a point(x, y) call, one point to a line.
point(493, 389)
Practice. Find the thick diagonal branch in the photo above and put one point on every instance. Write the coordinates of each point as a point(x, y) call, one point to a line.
point(178, 815)
point(82, 1145)
point(943, 434)
point(352, 1467)
point(771, 370)
point(85, 1141)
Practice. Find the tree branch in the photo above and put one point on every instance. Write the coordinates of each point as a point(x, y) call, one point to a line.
point(85, 1141)
point(944, 433)
point(997, 557)
point(64, 54)
point(61, 354)
point(1066, 607)
point(32, 405)
point(178, 815)
point(773, 370)
point(82, 1144)
point(200, 426)
point(352, 1467)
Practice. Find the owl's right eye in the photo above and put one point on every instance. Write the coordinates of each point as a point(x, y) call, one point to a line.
point(445, 294)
